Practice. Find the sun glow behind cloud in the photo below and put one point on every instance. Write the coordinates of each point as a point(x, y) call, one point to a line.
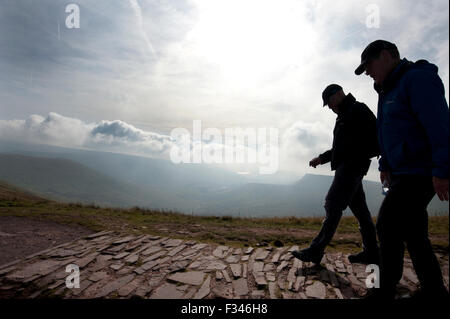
point(252, 40)
point(228, 63)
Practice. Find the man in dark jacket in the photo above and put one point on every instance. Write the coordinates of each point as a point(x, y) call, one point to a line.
point(413, 133)
point(354, 143)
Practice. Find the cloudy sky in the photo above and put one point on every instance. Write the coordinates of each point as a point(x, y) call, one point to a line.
point(136, 69)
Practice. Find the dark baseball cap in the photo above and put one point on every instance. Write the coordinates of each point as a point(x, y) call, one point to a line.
point(373, 51)
point(329, 91)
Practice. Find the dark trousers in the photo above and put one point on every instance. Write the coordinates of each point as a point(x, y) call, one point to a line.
point(403, 218)
point(346, 190)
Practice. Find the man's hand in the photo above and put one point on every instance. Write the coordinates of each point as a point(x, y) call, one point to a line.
point(441, 187)
point(384, 176)
point(315, 161)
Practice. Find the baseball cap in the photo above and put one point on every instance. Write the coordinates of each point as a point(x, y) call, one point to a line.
point(372, 51)
point(329, 91)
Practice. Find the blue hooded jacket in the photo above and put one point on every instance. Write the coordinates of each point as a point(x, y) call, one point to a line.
point(413, 121)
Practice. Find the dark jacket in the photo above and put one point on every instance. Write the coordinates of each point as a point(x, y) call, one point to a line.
point(413, 121)
point(355, 138)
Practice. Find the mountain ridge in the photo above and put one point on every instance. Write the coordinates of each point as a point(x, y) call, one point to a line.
point(197, 192)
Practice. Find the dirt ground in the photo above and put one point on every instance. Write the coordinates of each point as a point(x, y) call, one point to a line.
point(20, 237)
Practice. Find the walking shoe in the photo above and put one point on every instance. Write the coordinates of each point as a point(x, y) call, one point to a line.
point(364, 258)
point(308, 255)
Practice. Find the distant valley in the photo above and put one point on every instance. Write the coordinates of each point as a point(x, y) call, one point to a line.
point(110, 179)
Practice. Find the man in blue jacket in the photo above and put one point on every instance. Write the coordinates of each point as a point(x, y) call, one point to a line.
point(413, 134)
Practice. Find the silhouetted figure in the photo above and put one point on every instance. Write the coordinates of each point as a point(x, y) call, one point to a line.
point(413, 133)
point(354, 143)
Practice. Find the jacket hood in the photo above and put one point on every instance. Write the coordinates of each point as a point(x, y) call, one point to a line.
point(425, 65)
point(345, 104)
point(404, 66)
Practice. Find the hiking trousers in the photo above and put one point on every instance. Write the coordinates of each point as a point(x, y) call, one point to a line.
point(346, 191)
point(403, 218)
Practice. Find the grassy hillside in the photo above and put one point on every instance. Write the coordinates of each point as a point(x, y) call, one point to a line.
point(223, 230)
point(68, 181)
point(11, 196)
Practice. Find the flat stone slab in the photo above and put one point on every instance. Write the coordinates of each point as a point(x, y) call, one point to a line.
point(173, 242)
point(260, 281)
point(116, 266)
point(83, 262)
point(237, 251)
point(190, 277)
point(199, 246)
point(124, 240)
point(113, 286)
point(204, 289)
point(42, 268)
point(262, 255)
point(151, 250)
point(62, 253)
point(272, 290)
point(258, 266)
point(276, 257)
point(167, 291)
point(240, 287)
point(283, 265)
point(155, 256)
point(236, 269)
point(268, 267)
point(299, 283)
point(220, 251)
point(293, 248)
point(99, 275)
point(216, 265)
point(176, 250)
point(409, 274)
point(121, 255)
point(226, 276)
point(270, 276)
point(316, 290)
point(132, 258)
point(232, 259)
point(188, 252)
point(128, 288)
point(249, 250)
point(258, 294)
point(338, 293)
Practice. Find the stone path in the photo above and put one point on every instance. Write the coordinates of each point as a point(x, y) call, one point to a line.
point(114, 265)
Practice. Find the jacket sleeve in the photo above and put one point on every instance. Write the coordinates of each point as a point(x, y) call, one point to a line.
point(427, 99)
point(383, 165)
point(370, 129)
point(325, 157)
point(365, 132)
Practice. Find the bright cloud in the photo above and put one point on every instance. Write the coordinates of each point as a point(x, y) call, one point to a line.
point(228, 63)
point(59, 130)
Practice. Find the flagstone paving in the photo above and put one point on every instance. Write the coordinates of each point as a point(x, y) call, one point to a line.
point(114, 265)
